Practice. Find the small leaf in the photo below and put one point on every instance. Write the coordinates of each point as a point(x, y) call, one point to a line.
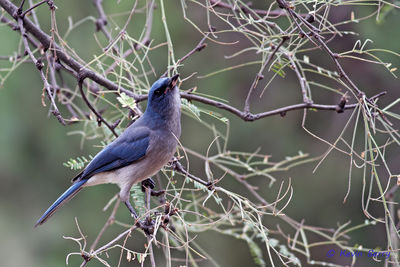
point(126, 101)
point(128, 256)
point(78, 163)
point(186, 105)
point(138, 198)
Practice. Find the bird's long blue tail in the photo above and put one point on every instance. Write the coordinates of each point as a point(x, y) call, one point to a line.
point(65, 197)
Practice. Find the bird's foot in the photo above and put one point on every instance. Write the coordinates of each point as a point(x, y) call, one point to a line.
point(169, 211)
point(149, 183)
point(157, 193)
point(147, 225)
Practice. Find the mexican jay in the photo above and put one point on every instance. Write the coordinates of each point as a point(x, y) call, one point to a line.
point(138, 153)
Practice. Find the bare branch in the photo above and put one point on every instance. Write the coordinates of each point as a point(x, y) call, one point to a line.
point(50, 3)
point(46, 41)
point(98, 115)
point(252, 117)
point(39, 65)
point(259, 75)
point(200, 46)
point(267, 13)
point(109, 222)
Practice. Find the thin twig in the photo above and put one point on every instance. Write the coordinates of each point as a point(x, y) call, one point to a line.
point(46, 42)
point(122, 31)
point(15, 27)
point(342, 74)
point(116, 239)
point(148, 26)
point(176, 165)
point(261, 12)
point(144, 42)
point(34, 16)
point(301, 79)
point(101, 23)
point(39, 66)
point(34, 6)
point(109, 222)
point(200, 46)
point(259, 75)
point(90, 106)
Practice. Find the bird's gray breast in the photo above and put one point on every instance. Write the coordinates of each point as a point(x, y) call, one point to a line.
point(164, 138)
point(174, 120)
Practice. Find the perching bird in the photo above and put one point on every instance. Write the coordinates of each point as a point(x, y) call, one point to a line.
point(138, 153)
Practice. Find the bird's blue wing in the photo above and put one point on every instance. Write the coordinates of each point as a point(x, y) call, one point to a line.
point(123, 151)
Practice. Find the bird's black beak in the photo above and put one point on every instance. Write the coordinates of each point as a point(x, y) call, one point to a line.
point(172, 83)
point(174, 80)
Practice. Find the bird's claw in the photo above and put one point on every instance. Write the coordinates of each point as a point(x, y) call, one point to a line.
point(146, 225)
point(157, 193)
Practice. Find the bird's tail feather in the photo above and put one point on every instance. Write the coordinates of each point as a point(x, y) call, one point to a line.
point(64, 198)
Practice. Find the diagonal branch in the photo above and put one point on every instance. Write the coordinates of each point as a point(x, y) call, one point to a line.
point(259, 75)
point(50, 3)
point(314, 32)
point(46, 41)
point(39, 66)
point(98, 115)
point(200, 46)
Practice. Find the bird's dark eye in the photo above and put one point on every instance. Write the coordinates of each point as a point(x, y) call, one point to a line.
point(158, 92)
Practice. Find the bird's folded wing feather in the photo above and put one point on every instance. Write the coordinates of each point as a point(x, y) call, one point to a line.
point(123, 151)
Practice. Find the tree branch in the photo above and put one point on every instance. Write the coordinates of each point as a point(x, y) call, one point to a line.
point(98, 115)
point(314, 32)
point(39, 66)
point(36, 5)
point(46, 41)
point(260, 76)
point(252, 117)
point(200, 46)
point(109, 222)
point(261, 12)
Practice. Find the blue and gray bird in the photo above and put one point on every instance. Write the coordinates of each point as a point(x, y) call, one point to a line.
point(138, 153)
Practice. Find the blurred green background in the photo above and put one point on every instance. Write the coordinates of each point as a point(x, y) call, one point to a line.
point(33, 145)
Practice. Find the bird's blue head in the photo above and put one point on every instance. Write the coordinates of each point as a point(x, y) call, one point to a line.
point(164, 96)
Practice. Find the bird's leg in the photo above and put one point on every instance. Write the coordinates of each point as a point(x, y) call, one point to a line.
point(146, 225)
point(130, 208)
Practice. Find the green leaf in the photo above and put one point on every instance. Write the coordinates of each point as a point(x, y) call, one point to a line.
point(193, 109)
point(78, 163)
point(138, 198)
point(126, 101)
point(278, 68)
